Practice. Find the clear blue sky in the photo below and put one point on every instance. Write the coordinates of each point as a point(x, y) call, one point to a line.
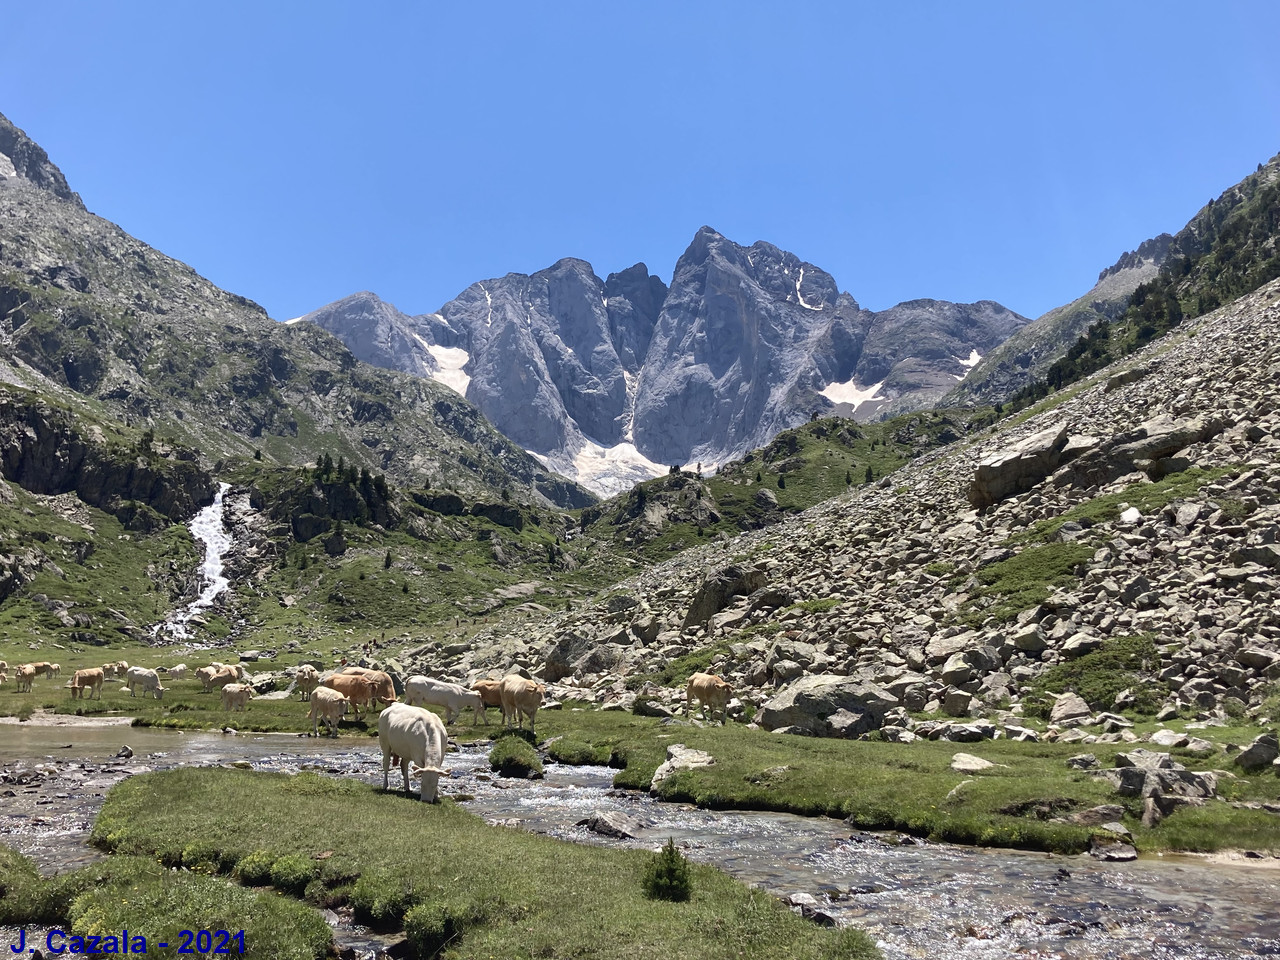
point(296, 153)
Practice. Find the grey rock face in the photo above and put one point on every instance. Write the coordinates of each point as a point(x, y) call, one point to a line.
point(377, 333)
point(20, 156)
point(1030, 350)
point(740, 347)
point(749, 337)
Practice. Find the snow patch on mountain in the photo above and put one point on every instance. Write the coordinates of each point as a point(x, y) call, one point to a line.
point(849, 392)
point(603, 470)
point(451, 361)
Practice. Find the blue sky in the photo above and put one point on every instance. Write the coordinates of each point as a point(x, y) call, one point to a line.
point(295, 153)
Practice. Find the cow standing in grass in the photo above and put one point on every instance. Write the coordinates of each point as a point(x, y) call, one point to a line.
point(710, 691)
point(147, 680)
point(425, 691)
point(90, 680)
point(521, 698)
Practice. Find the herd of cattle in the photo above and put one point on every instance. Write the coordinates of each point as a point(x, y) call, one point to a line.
point(407, 731)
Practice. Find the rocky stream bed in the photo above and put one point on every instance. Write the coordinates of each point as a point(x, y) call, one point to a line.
point(916, 899)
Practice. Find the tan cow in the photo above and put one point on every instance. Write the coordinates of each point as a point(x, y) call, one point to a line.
point(520, 698)
point(490, 691)
point(178, 672)
point(223, 677)
point(4, 667)
point(55, 670)
point(41, 668)
point(710, 691)
point(361, 691)
point(236, 696)
point(90, 679)
point(26, 674)
point(306, 678)
point(327, 705)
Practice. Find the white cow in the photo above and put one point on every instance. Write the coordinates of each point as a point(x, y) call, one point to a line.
point(306, 678)
point(407, 734)
point(148, 680)
point(424, 691)
point(178, 672)
point(327, 705)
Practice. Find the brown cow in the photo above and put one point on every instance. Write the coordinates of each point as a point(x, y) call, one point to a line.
point(360, 691)
point(91, 679)
point(386, 690)
point(710, 691)
point(520, 698)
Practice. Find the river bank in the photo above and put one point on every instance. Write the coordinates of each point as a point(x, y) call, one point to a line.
point(916, 899)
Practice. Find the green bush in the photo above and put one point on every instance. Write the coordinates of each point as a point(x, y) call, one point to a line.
point(429, 927)
point(292, 872)
point(666, 875)
point(164, 904)
point(255, 869)
point(514, 757)
point(24, 897)
point(381, 900)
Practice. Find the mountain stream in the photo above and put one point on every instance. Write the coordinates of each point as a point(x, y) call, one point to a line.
point(916, 900)
point(206, 526)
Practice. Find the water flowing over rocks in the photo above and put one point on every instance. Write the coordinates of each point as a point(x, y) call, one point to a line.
point(916, 899)
point(208, 527)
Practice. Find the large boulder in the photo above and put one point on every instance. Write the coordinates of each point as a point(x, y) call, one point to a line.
point(563, 657)
point(679, 757)
point(1069, 707)
point(1149, 773)
point(718, 588)
point(808, 702)
point(1260, 754)
point(1019, 468)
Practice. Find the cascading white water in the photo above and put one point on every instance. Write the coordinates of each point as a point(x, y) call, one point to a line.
point(206, 526)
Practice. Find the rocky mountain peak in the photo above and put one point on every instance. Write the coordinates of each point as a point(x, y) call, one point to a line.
point(1149, 251)
point(22, 157)
point(609, 381)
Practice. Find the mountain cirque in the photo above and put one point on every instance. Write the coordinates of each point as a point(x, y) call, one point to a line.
point(608, 381)
point(873, 602)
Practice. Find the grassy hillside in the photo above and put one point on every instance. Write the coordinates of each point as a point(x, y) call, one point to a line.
point(799, 468)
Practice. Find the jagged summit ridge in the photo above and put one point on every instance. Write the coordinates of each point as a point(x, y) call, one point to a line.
point(611, 381)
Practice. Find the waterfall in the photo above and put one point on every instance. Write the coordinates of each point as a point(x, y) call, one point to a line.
point(206, 526)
